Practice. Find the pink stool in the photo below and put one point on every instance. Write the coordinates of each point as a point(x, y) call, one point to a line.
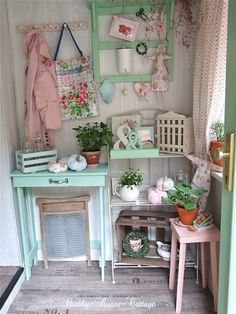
point(184, 236)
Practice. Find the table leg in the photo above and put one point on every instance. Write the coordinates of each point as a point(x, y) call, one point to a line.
point(214, 272)
point(23, 226)
point(173, 262)
point(31, 221)
point(203, 265)
point(180, 283)
point(102, 230)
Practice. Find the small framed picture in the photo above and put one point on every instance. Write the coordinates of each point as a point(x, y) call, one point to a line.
point(123, 28)
point(145, 134)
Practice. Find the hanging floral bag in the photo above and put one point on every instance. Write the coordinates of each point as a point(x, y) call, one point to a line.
point(75, 82)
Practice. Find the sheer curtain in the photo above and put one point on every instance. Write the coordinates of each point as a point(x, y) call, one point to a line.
point(209, 71)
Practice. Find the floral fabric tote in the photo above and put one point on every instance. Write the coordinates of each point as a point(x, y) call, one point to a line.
point(75, 82)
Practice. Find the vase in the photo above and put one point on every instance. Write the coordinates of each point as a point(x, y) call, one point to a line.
point(127, 193)
point(124, 60)
point(92, 158)
point(187, 217)
point(213, 147)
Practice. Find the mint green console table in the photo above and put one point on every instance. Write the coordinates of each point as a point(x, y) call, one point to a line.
point(90, 177)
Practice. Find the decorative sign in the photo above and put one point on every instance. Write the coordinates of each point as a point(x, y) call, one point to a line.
point(123, 28)
point(131, 121)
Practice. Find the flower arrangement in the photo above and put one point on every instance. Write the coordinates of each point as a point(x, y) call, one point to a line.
point(131, 177)
point(217, 129)
point(93, 136)
point(78, 99)
point(184, 196)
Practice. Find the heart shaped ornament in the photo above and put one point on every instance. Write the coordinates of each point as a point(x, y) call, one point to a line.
point(142, 90)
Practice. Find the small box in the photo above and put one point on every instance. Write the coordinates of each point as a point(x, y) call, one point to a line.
point(30, 161)
point(174, 133)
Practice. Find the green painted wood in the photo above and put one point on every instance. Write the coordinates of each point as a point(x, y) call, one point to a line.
point(96, 54)
point(88, 177)
point(227, 273)
point(134, 153)
point(126, 44)
point(91, 176)
point(102, 8)
point(125, 78)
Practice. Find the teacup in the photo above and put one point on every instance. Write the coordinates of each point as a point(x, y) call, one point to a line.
point(135, 244)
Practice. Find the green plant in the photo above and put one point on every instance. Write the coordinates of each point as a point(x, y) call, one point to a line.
point(131, 177)
point(93, 136)
point(184, 196)
point(217, 129)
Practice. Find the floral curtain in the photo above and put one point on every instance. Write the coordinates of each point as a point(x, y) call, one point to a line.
point(209, 71)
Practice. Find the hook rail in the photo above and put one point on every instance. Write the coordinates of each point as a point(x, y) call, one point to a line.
point(51, 27)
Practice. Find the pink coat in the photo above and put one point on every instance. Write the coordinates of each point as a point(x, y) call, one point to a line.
point(42, 100)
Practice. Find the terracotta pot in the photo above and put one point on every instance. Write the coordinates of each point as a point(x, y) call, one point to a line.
point(92, 158)
point(215, 145)
point(187, 216)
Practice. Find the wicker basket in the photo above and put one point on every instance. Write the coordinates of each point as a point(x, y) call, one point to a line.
point(174, 133)
point(34, 161)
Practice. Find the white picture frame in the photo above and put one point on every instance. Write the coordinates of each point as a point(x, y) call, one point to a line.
point(123, 28)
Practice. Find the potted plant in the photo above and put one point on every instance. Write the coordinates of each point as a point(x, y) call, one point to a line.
point(91, 138)
point(217, 129)
point(128, 186)
point(186, 199)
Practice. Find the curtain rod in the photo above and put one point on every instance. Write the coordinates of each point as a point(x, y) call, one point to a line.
point(51, 27)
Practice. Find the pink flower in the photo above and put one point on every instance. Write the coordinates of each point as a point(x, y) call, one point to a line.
point(64, 106)
point(85, 96)
point(122, 28)
point(128, 30)
point(80, 101)
point(71, 97)
point(85, 85)
point(81, 90)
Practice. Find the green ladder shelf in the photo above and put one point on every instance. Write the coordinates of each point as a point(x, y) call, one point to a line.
point(103, 8)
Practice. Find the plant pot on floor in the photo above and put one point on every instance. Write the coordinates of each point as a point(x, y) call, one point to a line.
point(92, 158)
point(213, 147)
point(187, 217)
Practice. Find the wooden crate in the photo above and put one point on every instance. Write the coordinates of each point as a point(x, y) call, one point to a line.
point(34, 161)
point(143, 219)
point(174, 133)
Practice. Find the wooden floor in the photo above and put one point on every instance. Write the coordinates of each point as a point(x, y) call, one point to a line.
point(73, 288)
point(6, 275)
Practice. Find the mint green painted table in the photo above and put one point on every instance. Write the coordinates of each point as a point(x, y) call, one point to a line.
point(90, 177)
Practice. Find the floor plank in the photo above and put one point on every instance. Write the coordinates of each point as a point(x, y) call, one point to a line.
point(72, 288)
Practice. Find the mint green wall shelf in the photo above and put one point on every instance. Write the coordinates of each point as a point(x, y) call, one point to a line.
point(134, 153)
point(103, 8)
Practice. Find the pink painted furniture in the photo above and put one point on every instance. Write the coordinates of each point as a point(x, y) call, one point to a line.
point(184, 236)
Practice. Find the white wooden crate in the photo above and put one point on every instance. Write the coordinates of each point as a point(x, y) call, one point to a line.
point(34, 161)
point(174, 133)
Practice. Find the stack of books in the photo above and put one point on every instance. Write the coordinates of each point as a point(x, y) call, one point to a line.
point(204, 221)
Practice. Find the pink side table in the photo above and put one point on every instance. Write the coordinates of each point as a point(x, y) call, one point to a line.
point(184, 236)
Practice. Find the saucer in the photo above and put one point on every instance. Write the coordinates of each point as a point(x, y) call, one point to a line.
point(179, 223)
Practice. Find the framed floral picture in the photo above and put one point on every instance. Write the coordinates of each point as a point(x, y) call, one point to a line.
point(124, 28)
point(145, 134)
